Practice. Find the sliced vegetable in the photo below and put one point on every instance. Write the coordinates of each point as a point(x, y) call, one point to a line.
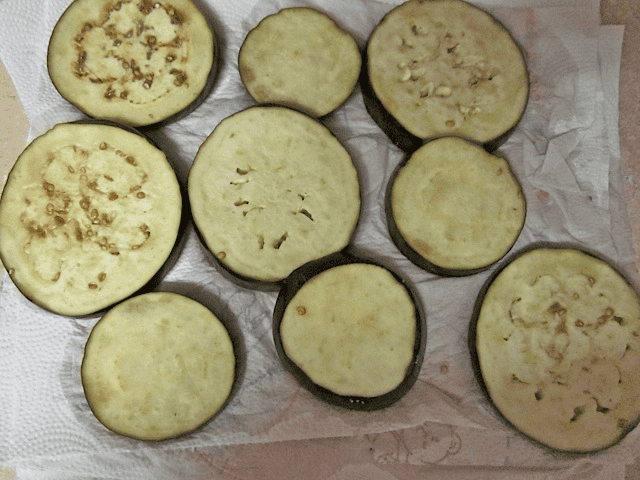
point(351, 331)
point(158, 366)
point(90, 214)
point(444, 67)
point(271, 189)
point(138, 62)
point(300, 58)
point(555, 341)
point(453, 208)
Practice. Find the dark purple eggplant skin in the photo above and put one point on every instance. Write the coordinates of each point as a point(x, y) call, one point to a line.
point(181, 238)
point(473, 351)
point(295, 281)
point(406, 249)
point(399, 135)
point(250, 283)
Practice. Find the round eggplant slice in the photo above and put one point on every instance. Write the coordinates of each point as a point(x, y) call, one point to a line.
point(351, 331)
point(444, 67)
point(555, 341)
point(453, 208)
point(300, 58)
point(271, 189)
point(89, 215)
point(136, 62)
point(157, 366)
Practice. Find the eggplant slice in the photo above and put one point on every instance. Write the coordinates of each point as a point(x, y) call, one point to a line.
point(555, 341)
point(351, 331)
point(138, 62)
point(89, 214)
point(444, 67)
point(271, 189)
point(300, 58)
point(157, 366)
point(453, 208)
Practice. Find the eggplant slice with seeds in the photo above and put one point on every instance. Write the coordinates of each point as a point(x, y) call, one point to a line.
point(555, 344)
point(271, 189)
point(444, 67)
point(138, 62)
point(90, 214)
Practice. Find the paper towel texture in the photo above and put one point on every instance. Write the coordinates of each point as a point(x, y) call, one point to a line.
point(565, 153)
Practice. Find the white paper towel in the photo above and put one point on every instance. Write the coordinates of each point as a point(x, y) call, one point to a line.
point(565, 153)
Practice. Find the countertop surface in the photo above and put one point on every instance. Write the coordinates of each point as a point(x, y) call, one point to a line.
point(354, 459)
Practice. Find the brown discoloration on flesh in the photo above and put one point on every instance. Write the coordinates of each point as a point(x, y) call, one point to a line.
point(177, 18)
point(421, 247)
point(247, 74)
point(262, 94)
point(146, 6)
point(181, 77)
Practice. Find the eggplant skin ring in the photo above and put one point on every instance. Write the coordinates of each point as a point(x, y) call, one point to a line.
point(555, 343)
point(350, 331)
point(138, 62)
point(91, 213)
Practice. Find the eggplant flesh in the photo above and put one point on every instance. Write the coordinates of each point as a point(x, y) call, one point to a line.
point(453, 208)
point(271, 189)
point(135, 62)
point(444, 67)
point(300, 57)
point(157, 366)
point(556, 344)
point(90, 213)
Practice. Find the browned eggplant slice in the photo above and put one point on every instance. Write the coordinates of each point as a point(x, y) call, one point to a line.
point(90, 214)
point(351, 331)
point(555, 343)
point(299, 57)
point(158, 366)
point(444, 67)
point(138, 62)
point(453, 208)
point(271, 189)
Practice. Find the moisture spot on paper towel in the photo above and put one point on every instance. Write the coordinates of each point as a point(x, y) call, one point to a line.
point(542, 196)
